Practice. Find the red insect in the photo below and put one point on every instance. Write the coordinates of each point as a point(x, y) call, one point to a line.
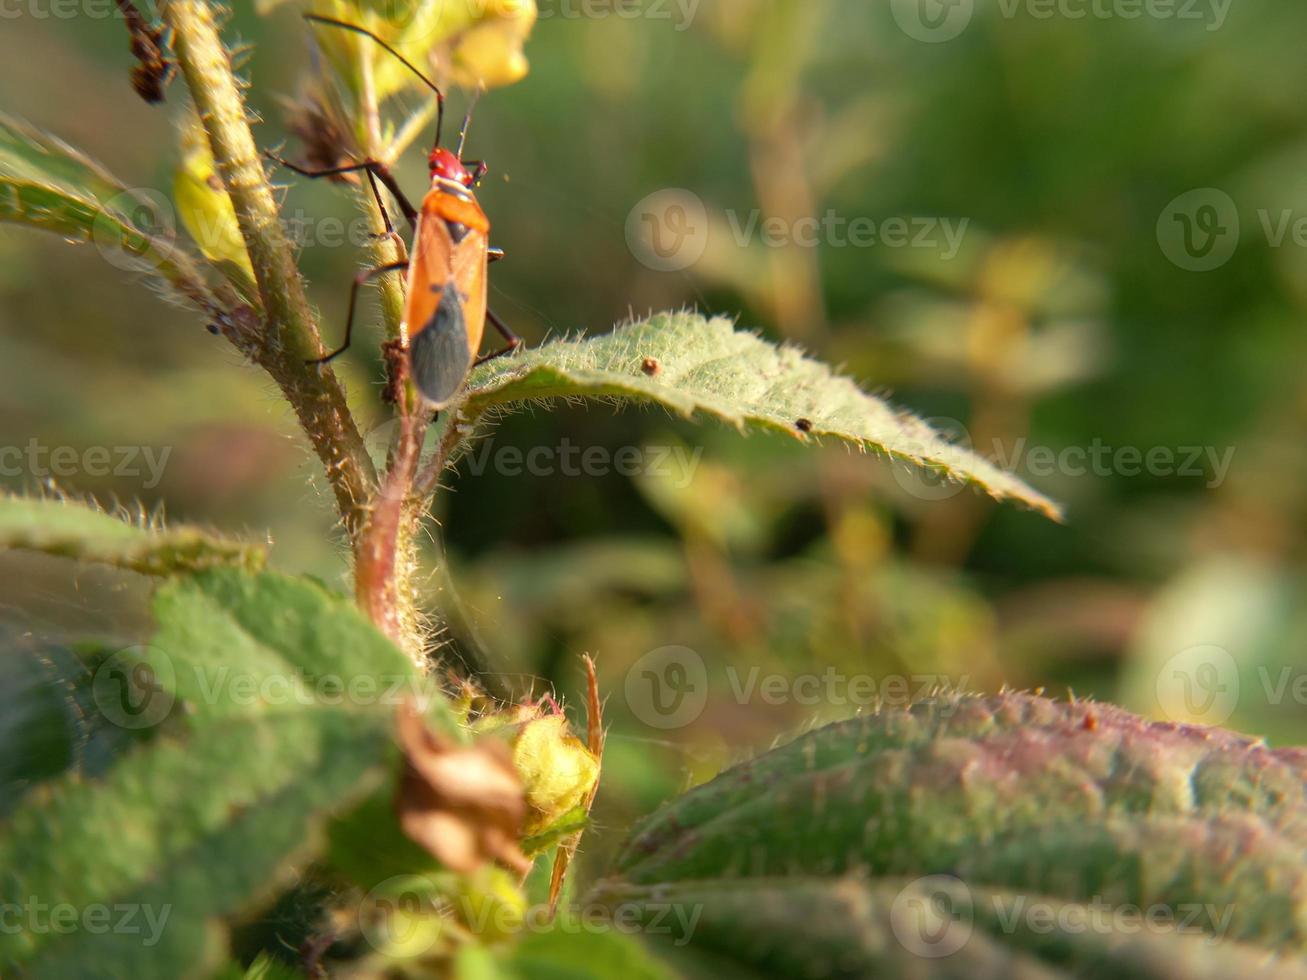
point(446, 308)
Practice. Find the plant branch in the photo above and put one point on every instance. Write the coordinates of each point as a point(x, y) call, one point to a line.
point(384, 555)
point(290, 335)
point(429, 479)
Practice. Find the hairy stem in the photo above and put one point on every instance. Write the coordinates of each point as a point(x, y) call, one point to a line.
point(383, 559)
point(424, 487)
point(290, 335)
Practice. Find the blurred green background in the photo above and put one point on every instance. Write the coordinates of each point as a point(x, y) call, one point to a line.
point(1065, 321)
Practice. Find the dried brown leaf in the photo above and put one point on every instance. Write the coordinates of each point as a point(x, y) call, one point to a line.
point(463, 803)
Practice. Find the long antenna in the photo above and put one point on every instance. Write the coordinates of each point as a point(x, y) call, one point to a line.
point(440, 96)
point(467, 121)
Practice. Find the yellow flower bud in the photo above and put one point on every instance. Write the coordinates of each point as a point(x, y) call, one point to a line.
point(490, 52)
point(558, 771)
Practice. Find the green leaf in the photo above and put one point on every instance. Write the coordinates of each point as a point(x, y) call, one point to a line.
point(938, 928)
point(572, 822)
point(690, 365)
point(46, 184)
point(182, 831)
point(266, 967)
point(74, 530)
point(233, 643)
point(1016, 794)
point(570, 949)
point(27, 152)
point(287, 698)
point(37, 717)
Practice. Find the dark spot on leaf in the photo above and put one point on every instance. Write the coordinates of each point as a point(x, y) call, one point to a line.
point(650, 366)
point(803, 425)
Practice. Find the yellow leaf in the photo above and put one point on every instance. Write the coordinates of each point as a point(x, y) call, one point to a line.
point(206, 210)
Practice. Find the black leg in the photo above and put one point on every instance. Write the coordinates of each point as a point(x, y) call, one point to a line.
point(513, 340)
point(383, 174)
point(385, 215)
point(314, 174)
point(440, 96)
point(374, 168)
point(363, 277)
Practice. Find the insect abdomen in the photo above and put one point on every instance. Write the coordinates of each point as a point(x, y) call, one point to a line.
point(439, 353)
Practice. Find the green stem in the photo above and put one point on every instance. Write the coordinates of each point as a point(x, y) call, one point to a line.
point(385, 552)
point(291, 335)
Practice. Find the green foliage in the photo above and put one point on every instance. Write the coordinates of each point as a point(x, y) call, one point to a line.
point(222, 624)
point(691, 365)
point(1012, 796)
point(862, 849)
point(185, 827)
point(46, 184)
point(569, 952)
point(28, 153)
point(74, 530)
point(286, 698)
point(851, 927)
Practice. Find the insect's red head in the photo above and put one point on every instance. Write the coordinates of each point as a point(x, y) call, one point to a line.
point(445, 164)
